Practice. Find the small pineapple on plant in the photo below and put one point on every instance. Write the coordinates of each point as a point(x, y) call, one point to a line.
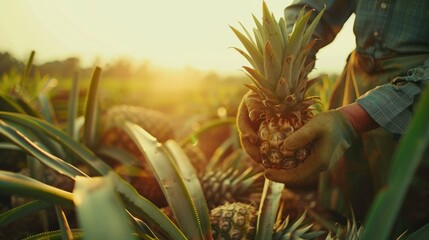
point(229, 182)
point(155, 122)
point(277, 103)
point(238, 221)
point(233, 221)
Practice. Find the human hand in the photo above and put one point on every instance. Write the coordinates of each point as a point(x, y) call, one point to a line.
point(329, 133)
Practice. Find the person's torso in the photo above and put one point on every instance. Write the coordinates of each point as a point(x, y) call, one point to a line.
point(392, 27)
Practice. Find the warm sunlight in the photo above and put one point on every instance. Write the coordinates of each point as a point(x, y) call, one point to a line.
point(197, 119)
point(168, 33)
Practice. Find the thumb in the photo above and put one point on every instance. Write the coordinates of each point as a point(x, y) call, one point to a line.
point(302, 137)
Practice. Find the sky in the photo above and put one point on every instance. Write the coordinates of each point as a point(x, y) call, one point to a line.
point(171, 33)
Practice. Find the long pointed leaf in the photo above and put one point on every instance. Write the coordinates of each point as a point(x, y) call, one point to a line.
point(310, 29)
point(92, 111)
point(258, 79)
point(268, 209)
point(271, 65)
point(170, 180)
point(406, 159)
point(56, 235)
point(48, 159)
point(259, 34)
point(273, 34)
point(247, 56)
point(100, 211)
point(22, 211)
point(65, 230)
point(247, 34)
point(295, 41)
point(251, 49)
point(27, 70)
point(142, 207)
point(283, 29)
point(14, 183)
point(192, 183)
point(73, 106)
point(83, 153)
point(421, 233)
point(8, 104)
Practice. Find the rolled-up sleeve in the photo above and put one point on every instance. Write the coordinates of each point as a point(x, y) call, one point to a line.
point(391, 105)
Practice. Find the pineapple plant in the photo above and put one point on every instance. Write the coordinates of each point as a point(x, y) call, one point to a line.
point(155, 122)
point(238, 221)
point(113, 135)
point(277, 101)
point(233, 221)
point(232, 183)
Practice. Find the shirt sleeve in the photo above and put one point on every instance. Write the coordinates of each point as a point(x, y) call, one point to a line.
point(391, 104)
point(336, 14)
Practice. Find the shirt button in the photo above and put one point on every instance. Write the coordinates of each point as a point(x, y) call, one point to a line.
point(375, 34)
point(383, 5)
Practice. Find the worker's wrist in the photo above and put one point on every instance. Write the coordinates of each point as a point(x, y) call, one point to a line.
point(358, 118)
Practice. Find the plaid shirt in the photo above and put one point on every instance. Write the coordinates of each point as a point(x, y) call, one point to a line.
point(383, 29)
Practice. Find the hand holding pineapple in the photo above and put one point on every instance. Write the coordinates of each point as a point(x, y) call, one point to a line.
point(277, 104)
point(329, 133)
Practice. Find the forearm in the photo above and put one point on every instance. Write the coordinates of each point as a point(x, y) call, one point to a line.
point(358, 118)
point(391, 105)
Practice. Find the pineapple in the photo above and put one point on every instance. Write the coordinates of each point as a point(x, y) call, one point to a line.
point(230, 183)
point(154, 122)
point(279, 72)
point(113, 135)
point(238, 221)
point(233, 221)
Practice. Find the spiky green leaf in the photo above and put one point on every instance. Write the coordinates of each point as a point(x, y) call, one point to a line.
point(268, 208)
point(18, 184)
point(406, 160)
point(74, 147)
point(22, 211)
point(96, 198)
point(251, 49)
point(192, 183)
point(271, 65)
point(170, 179)
point(273, 34)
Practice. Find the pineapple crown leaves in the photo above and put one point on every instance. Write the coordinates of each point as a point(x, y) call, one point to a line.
point(352, 231)
point(278, 59)
point(238, 178)
point(232, 185)
point(296, 230)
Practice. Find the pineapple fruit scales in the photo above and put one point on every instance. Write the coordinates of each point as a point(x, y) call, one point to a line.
point(279, 72)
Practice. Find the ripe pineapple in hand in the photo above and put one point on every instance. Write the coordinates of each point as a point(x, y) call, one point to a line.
point(276, 104)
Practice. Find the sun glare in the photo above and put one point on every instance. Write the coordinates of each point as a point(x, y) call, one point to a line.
point(171, 34)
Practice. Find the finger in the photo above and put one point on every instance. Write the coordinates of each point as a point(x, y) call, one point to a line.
point(308, 133)
point(309, 169)
point(299, 139)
